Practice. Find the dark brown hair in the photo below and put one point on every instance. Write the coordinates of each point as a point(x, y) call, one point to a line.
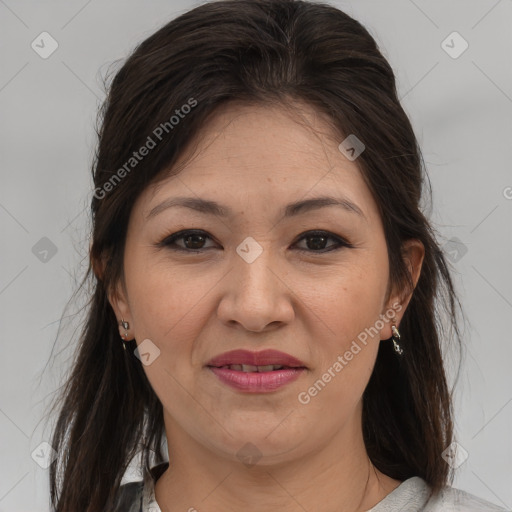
point(269, 52)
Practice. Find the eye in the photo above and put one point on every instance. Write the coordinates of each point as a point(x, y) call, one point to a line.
point(194, 240)
point(319, 239)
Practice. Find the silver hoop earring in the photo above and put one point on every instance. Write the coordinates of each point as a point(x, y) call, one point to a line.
point(125, 325)
point(395, 338)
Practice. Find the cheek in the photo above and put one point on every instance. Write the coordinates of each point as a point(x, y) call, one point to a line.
point(348, 301)
point(165, 302)
point(168, 307)
point(346, 310)
point(345, 345)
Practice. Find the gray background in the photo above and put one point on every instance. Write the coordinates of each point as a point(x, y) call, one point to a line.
point(461, 110)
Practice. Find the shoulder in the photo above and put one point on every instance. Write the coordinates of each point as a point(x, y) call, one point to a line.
point(414, 495)
point(456, 500)
point(130, 497)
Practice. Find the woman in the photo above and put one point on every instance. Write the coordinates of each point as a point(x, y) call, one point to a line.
point(267, 291)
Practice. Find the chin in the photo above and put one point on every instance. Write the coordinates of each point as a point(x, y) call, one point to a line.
point(262, 446)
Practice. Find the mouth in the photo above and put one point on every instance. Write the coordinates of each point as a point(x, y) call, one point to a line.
point(263, 361)
point(249, 368)
point(256, 372)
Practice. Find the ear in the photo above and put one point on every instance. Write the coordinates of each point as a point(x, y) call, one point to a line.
point(118, 299)
point(413, 252)
point(98, 261)
point(117, 296)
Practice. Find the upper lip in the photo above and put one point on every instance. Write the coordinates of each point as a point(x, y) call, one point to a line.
point(262, 358)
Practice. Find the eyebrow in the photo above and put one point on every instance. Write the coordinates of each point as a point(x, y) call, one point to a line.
point(210, 207)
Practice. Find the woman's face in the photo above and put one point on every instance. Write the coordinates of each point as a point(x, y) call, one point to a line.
point(251, 280)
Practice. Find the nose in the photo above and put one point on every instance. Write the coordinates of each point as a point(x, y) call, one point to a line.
point(256, 296)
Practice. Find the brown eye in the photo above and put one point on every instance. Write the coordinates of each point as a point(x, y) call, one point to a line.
point(193, 241)
point(316, 241)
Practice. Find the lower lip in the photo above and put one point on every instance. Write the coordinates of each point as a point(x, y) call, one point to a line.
point(257, 382)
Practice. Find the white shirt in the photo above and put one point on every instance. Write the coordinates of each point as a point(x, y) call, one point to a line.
point(410, 496)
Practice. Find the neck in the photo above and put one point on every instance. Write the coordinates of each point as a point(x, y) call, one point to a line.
point(338, 476)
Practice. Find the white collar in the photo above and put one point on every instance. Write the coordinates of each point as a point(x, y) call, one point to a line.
point(149, 503)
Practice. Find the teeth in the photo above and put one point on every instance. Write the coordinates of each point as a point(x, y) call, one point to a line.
point(267, 368)
point(252, 368)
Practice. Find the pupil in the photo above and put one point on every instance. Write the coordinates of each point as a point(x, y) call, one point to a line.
point(187, 238)
point(320, 245)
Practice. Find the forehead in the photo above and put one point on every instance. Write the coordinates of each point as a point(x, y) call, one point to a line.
point(270, 139)
point(265, 155)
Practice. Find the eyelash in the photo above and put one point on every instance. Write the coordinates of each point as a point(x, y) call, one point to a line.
point(169, 241)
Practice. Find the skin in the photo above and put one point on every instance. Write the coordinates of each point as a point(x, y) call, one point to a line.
point(312, 305)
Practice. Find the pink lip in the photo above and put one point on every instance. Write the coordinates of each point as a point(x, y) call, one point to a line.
point(256, 382)
point(261, 358)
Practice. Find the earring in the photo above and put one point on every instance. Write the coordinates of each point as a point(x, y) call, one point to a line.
point(125, 325)
point(396, 334)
